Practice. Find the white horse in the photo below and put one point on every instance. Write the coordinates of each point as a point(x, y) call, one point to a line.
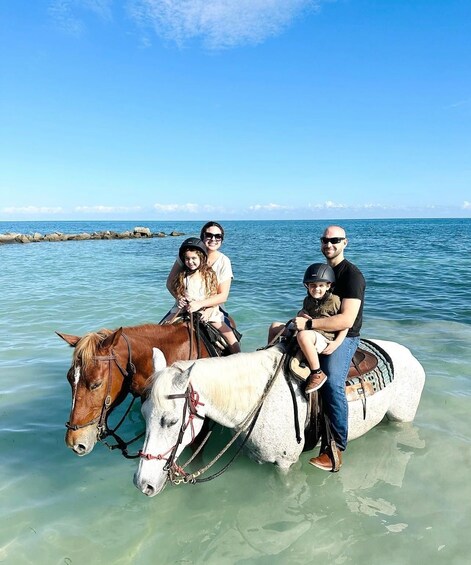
point(228, 391)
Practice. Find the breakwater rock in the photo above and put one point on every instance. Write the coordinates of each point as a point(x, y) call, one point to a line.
point(137, 233)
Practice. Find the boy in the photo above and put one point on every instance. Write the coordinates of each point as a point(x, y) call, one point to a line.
point(318, 279)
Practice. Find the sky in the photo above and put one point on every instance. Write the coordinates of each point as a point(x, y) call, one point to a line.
point(234, 109)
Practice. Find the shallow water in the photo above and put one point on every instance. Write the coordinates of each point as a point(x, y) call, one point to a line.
point(403, 493)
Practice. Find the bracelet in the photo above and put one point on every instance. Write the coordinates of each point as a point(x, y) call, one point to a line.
point(308, 325)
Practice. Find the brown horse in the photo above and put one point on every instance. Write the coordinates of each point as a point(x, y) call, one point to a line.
point(108, 364)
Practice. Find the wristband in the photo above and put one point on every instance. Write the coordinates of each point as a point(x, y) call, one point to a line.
point(308, 325)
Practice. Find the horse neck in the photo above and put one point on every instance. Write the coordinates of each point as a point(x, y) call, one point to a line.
point(141, 339)
point(230, 396)
point(172, 340)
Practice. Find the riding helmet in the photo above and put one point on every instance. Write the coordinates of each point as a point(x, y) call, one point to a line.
point(192, 243)
point(319, 272)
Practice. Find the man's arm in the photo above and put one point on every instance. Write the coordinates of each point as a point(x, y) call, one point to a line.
point(342, 321)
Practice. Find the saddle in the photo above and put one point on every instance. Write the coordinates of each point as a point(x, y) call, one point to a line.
point(213, 339)
point(363, 362)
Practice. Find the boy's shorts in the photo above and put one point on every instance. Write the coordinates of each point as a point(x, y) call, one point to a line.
point(321, 342)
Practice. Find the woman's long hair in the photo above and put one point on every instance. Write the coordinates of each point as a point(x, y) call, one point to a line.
point(207, 273)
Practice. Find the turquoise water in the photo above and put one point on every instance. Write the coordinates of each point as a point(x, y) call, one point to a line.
point(403, 493)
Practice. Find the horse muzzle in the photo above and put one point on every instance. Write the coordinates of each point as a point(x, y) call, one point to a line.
point(83, 440)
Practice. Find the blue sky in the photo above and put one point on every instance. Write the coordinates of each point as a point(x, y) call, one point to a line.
point(234, 109)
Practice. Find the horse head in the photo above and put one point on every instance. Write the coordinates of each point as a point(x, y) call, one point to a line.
point(100, 366)
point(173, 418)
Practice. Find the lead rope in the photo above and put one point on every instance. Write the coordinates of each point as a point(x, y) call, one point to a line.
point(247, 424)
point(289, 382)
point(289, 352)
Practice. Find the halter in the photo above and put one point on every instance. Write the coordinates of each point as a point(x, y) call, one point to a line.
point(102, 429)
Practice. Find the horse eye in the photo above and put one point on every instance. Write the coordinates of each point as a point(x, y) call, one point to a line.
point(94, 386)
point(166, 423)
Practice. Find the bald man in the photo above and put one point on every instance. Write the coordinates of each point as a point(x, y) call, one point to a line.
point(350, 287)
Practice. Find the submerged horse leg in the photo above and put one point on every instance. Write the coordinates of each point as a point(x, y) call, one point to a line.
point(409, 379)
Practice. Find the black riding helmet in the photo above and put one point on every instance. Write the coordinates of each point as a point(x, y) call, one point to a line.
point(192, 243)
point(319, 272)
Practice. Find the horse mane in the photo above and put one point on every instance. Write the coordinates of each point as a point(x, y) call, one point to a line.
point(87, 347)
point(89, 344)
point(234, 383)
point(239, 387)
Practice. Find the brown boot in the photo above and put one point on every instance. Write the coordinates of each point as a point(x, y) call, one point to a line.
point(315, 380)
point(325, 461)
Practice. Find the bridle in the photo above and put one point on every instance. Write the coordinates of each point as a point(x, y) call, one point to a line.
point(190, 406)
point(102, 429)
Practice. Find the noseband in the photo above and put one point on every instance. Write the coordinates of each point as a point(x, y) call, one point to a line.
point(190, 406)
point(127, 374)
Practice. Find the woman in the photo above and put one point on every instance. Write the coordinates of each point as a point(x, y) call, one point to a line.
point(212, 235)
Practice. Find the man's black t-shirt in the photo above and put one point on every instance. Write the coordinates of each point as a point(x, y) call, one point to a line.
point(350, 283)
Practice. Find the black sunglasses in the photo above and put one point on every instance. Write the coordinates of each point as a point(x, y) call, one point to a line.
point(332, 240)
point(216, 236)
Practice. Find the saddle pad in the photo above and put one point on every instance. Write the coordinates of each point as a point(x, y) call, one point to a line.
point(379, 377)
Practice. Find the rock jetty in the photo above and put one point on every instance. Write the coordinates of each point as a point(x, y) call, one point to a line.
point(137, 233)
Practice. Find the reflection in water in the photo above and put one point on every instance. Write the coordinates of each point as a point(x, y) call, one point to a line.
point(387, 464)
point(255, 512)
point(388, 461)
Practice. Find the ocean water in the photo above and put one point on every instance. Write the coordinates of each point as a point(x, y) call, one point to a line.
point(402, 495)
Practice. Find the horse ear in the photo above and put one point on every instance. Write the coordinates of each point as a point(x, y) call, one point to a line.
point(72, 340)
point(112, 339)
point(182, 379)
point(158, 359)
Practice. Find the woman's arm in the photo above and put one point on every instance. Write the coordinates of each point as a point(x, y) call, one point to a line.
point(172, 276)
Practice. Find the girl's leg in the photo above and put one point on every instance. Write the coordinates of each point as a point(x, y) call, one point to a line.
point(274, 329)
point(228, 334)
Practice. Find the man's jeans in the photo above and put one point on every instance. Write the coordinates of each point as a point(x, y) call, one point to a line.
point(336, 366)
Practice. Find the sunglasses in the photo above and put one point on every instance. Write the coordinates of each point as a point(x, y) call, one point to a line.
point(332, 240)
point(216, 236)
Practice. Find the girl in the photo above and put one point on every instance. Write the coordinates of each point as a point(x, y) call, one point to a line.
point(195, 289)
point(212, 235)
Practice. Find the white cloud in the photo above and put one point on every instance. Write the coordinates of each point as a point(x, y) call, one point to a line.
point(66, 13)
point(327, 205)
point(466, 205)
point(166, 208)
point(268, 207)
point(218, 23)
point(106, 209)
point(466, 102)
point(35, 210)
